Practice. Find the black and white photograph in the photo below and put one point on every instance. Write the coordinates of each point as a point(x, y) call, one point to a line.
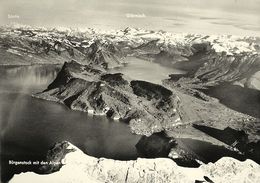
point(130, 91)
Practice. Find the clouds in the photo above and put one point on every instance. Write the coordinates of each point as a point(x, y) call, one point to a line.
point(111, 13)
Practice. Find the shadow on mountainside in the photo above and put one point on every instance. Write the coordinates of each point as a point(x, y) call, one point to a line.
point(244, 100)
point(234, 138)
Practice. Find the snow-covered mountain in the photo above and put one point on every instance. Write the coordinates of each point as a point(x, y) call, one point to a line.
point(28, 41)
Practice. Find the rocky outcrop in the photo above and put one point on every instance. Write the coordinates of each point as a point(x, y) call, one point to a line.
point(55, 158)
point(79, 167)
point(147, 107)
point(156, 145)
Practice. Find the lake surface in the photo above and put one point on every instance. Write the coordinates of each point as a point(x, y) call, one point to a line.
point(139, 69)
point(30, 126)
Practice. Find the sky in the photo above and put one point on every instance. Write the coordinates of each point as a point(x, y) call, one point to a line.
point(237, 17)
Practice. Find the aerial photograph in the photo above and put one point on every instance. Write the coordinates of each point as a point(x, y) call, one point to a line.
point(130, 91)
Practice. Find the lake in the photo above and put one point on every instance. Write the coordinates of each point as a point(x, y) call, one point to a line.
point(30, 126)
point(139, 69)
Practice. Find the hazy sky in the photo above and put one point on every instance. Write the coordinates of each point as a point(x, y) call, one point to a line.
point(240, 17)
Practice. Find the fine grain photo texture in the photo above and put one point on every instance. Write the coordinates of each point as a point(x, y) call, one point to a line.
point(130, 91)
